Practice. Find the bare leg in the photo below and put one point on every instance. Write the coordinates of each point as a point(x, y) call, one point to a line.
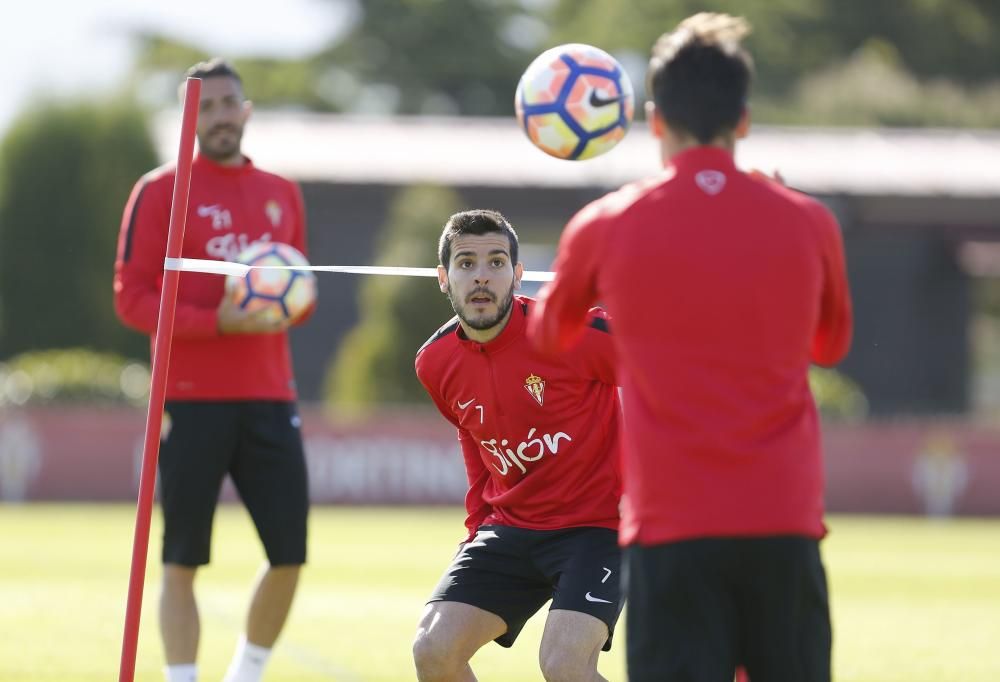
point(571, 643)
point(272, 600)
point(448, 635)
point(179, 624)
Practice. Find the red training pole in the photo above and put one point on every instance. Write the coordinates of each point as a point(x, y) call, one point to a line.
point(157, 391)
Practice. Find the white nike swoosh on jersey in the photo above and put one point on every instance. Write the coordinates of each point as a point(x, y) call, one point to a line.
point(464, 405)
point(590, 597)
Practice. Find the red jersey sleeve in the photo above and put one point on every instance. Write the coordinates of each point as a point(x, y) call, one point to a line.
point(476, 508)
point(299, 240)
point(561, 313)
point(142, 245)
point(832, 339)
point(594, 353)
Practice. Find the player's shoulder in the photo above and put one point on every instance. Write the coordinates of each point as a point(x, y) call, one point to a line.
point(594, 221)
point(810, 209)
point(440, 342)
point(763, 186)
point(626, 198)
point(273, 178)
point(159, 177)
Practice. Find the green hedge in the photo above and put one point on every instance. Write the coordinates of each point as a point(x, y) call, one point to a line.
point(72, 376)
point(66, 170)
point(374, 364)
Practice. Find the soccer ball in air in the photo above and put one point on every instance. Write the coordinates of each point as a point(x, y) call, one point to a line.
point(282, 294)
point(574, 101)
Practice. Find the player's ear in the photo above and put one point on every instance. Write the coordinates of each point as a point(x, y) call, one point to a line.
point(518, 274)
point(247, 109)
point(442, 279)
point(743, 125)
point(654, 120)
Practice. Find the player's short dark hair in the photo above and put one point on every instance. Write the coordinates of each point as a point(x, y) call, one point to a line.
point(699, 75)
point(477, 221)
point(212, 68)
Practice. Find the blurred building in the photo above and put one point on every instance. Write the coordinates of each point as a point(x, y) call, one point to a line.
point(919, 208)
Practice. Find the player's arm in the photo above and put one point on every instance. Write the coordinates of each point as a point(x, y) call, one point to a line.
point(476, 508)
point(142, 245)
point(832, 339)
point(595, 352)
point(560, 315)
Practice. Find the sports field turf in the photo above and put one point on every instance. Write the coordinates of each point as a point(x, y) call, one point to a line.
point(913, 599)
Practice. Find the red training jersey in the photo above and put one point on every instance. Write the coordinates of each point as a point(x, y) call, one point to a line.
point(539, 435)
point(229, 208)
point(723, 287)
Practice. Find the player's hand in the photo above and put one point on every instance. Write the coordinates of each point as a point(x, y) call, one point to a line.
point(776, 176)
point(234, 320)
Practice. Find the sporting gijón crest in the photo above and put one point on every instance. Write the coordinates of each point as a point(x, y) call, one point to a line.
point(535, 385)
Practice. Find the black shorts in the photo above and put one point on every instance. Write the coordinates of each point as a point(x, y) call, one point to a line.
point(697, 608)
point(512, 572)
point(259, 445)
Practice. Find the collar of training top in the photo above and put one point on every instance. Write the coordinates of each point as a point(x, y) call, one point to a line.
point(206, 163)
point(702, 156)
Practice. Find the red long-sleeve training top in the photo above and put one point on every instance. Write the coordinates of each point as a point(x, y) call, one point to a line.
point(539, 435)
point(229, 208)
point(723, 287)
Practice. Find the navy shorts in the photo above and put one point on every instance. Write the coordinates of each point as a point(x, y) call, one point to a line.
point(259, 445)
point(512, 572)
point(697, 608)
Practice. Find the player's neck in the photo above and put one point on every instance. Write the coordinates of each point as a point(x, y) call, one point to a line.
point(671, 146)
point(485, 335)
point(234, 161)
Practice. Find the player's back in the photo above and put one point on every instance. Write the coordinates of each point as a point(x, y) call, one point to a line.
point(714, 281)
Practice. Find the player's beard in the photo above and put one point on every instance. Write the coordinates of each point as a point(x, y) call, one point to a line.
point(483, 323)
point(217, 150)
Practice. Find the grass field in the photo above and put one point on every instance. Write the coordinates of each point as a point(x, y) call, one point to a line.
point(913, 599)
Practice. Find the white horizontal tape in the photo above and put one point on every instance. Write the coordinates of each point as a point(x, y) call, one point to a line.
point(221, 267)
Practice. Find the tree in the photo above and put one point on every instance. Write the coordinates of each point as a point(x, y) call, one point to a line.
point(268, 82)
point(66, 170)
point(374, 365)
point(446, 56)
point(792, 38)
point(409, 57)
point(465, 56)
point(872, 88)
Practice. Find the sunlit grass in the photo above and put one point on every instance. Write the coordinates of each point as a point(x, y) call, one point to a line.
point(913, 599)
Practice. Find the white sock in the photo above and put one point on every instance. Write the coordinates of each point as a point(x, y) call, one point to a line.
point(248, 662)
point(185, 672)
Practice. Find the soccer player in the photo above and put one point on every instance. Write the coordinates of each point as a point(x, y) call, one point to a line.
point(540, 442)
point(230, 400)
point(723, 287)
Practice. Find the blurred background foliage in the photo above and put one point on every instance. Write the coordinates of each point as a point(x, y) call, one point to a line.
point(66, 167)
point(66, 170)
point(74, 375)
point(374, 364)
point(823, 62)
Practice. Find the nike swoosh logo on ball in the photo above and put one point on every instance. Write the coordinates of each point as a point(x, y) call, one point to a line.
point(598, 101)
